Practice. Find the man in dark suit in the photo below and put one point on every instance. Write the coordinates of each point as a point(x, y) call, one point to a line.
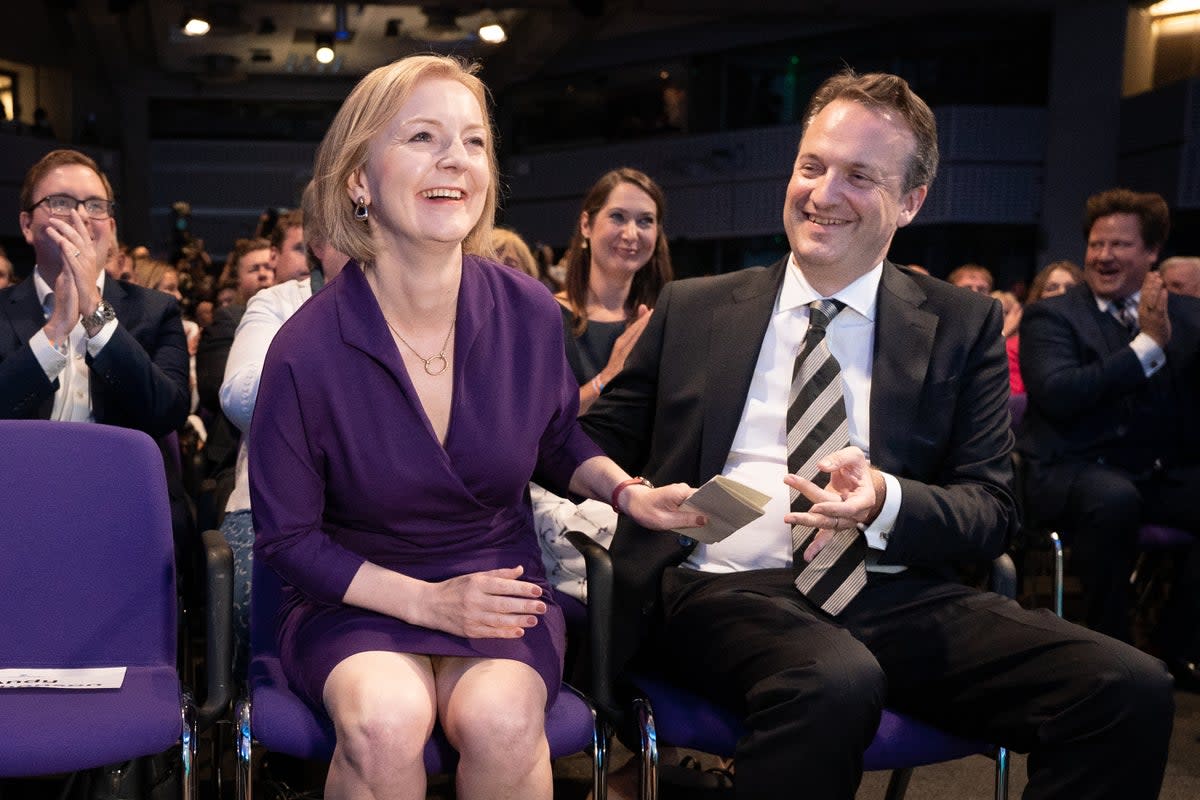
point(1112, 370)
point(922, 376)
point(75, 344)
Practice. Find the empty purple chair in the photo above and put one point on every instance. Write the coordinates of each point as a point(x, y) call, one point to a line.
point(88, 576)
point(272, 715)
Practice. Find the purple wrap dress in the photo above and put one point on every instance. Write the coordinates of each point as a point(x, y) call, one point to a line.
point(346, 467)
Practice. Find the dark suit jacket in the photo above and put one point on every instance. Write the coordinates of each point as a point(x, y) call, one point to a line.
point(939, 417)
point(139, 380)
point(1090, 401)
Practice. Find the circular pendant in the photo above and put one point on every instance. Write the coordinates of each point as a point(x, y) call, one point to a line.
point(436, 365)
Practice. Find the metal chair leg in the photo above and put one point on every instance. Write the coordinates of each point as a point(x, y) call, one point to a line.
point(649, 749)
point(600, 733)
point(1058, 573)
point(241, 719)
point(1002, 774)
point(187, 750)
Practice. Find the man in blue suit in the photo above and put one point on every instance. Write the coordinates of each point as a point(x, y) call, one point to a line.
point(1112, 369)
point(76, 344)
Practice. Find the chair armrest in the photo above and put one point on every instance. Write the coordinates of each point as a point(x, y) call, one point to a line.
point(218, 656)
point(600, 613)
point(1004, 576)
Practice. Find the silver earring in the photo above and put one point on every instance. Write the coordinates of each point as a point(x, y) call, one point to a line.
point(360, 210)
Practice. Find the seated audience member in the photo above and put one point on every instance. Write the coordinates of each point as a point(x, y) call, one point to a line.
point(7, 275)
point(265, 314)
point(1011, 307)
point(842, 598)
point(512, 251)
point(414, 590)
point(250, 267)
point(159, 275)
point(119, 264)
point(1181, 275)
point(975, 277)
point(617, 262)
point(76, 344)
point(287, 247)
point(1112, 370)
point(1054, 279)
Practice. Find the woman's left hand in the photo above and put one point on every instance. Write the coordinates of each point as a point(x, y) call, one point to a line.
point(659, 508)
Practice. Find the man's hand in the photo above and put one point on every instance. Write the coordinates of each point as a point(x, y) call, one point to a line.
point(1152, 309)
point(482, 605)
point(854, 496)
point(66, 309)
point(80, 258)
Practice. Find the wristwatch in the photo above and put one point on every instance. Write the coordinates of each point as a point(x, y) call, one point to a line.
point(96, 320)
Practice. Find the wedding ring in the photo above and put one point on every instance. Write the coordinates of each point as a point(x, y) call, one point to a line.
point(76, 254)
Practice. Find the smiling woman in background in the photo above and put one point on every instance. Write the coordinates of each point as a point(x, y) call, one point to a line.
point(400, 416)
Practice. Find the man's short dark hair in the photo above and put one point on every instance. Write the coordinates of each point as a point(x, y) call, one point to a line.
point(888, 93)
point(287, 221)
point(1154, 217)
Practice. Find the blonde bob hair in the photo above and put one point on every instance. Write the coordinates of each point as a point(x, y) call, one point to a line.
point(367, 111)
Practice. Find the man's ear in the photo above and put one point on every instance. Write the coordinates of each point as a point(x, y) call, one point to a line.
point(26, 220)
point(910, 203)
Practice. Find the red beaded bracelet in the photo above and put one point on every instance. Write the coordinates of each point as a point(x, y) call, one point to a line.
point(625, 484)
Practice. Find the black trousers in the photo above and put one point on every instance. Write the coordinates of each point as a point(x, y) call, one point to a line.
point(1094, 714)
point(1105, 506)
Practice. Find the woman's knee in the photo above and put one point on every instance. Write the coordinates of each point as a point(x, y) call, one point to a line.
point(502, 720)
point(380, 722)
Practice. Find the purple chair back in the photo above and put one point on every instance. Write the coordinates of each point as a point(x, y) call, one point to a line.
point(87, 579)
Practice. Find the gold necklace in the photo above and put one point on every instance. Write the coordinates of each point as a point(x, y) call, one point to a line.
point(440, 357)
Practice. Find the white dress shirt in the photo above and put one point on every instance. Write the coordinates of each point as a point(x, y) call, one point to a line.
point(65, 363)
point(758, 455)
point(265, 314)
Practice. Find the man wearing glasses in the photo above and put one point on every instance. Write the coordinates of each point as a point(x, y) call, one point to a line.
point(75, 344)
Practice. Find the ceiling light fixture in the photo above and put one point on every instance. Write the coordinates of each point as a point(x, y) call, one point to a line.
point(324, 54)
point(194, 25)
point(1168, 8)
point(493, 33)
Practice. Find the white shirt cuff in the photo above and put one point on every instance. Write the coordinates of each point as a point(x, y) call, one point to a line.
point(1149, 353)
point(52, 360)
point(96, 343)
point(877, 532)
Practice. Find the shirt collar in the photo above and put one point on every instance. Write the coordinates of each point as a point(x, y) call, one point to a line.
point(1111, 305)
point(862, 295)
point(43, 288)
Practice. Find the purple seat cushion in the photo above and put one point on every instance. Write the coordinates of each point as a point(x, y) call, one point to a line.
point(283, 723)
point(684, 719)
point(46, 731)
point(1163, 537)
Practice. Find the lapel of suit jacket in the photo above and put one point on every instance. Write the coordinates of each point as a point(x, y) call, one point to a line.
point(736, 329)
point(904, 333)
point(1095, 325)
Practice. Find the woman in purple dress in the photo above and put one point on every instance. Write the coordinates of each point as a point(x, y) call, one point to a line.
point(401, 413)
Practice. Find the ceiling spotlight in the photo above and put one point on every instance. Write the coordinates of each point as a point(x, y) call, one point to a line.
point(493, 33)
point(194, 25)
point(324, 54)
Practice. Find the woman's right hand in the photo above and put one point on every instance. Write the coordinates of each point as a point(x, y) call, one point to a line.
point(625, 343)
point(494, 604)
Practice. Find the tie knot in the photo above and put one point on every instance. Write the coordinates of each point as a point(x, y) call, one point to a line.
point(821, 312)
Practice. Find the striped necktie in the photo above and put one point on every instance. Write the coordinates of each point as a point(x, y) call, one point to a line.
point(817, 426)
point(1125, 312)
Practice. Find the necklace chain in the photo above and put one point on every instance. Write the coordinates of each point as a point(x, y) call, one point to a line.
point(434, 359)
